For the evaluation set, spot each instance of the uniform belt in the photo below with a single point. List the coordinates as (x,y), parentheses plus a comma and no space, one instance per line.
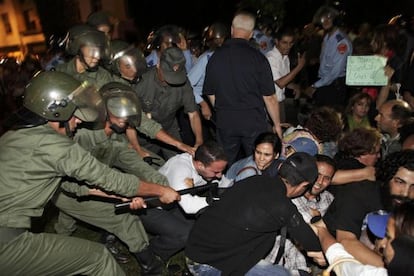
(9,233)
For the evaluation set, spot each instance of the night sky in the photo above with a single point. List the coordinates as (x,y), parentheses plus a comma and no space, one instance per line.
(195,15)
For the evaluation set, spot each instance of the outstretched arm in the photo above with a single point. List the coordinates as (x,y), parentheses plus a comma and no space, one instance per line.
(272,106)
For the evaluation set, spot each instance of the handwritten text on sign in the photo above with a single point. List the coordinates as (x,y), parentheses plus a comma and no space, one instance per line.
(366,70)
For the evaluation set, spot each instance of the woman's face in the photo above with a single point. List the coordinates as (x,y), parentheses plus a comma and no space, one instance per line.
(264,154)
(360,108)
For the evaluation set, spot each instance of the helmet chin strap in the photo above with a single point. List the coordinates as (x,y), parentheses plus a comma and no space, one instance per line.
(117,129)
(133,81)
(65,125)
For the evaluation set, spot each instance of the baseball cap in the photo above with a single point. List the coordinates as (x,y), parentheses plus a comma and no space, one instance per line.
(377,224)
(304,144)
(172,62)
(304,164)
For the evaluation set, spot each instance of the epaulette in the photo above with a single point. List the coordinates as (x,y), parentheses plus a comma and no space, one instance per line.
(259,35)
(339,37)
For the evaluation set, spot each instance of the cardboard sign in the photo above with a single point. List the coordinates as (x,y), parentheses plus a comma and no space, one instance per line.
(366,71)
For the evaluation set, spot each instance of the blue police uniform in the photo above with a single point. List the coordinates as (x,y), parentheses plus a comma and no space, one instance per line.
(331,89)
(197,74)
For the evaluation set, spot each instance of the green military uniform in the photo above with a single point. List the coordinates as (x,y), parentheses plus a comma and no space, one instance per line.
(161,102)
(113,152)
(98,78)
(33,162)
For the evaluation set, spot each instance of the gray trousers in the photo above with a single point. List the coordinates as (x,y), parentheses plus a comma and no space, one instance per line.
(50,254)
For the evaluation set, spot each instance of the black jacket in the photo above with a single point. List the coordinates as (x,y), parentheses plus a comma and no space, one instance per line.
(236,232)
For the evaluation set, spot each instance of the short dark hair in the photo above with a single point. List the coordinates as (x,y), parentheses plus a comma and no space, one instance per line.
(401,111)
(209,152)
(271,138)
(326,159)
(284,31)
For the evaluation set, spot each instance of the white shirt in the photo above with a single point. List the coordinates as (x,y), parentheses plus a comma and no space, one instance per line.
(181,174)
(280,66)
(337,251)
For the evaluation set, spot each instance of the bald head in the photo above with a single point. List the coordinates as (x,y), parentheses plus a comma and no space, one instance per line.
(243,25)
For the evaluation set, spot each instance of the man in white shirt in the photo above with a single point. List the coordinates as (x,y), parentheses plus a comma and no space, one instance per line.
(184,171)
(279,61)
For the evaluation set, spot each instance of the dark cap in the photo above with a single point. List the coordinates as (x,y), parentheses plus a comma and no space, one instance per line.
(304,164)
(172,63)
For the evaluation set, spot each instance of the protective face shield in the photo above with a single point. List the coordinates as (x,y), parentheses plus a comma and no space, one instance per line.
(121,102)
(87,42)
(215,34)
(127,61)
(166,36)
(325,13)
(56,96)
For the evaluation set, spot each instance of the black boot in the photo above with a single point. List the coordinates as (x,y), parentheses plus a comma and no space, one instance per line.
(110,242)
(151,265)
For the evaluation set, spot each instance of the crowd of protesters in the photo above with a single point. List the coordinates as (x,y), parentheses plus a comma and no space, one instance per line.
(295,193)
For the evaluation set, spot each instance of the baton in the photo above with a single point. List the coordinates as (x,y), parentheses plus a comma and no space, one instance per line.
(153,199)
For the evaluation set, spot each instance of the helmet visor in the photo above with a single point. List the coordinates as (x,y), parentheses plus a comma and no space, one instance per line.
(88,102)
(125,105)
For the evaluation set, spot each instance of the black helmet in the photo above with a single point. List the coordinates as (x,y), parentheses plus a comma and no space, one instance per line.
(122,102)
(166,33)
(98,18)
(326,11)
(121,51)
(216,30)
(215,35)
(56,96)
(85,35)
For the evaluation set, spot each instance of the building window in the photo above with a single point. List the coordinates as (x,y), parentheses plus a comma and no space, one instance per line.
(6,23)
(29,19)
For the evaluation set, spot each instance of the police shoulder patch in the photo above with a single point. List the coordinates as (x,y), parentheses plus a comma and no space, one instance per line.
(342,48)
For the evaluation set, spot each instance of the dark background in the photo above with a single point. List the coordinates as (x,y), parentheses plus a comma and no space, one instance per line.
(194,15)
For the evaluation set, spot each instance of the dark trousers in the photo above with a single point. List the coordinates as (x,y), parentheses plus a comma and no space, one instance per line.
(169,228)
(237,143)
(334,95)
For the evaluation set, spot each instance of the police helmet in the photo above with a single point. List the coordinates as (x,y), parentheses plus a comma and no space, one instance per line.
(56,96)
(85,35)
(99,18)
(326,11)
(122,102)
(121,50)
(216,30)
(169,34)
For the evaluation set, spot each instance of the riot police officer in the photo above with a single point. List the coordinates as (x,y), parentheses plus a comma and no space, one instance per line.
(109,146)
(35,157)
(88,47)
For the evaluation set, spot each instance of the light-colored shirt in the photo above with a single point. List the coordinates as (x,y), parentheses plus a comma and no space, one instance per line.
(197,74)
(292,258)
(337,251)
(305,205)
(182,174)
(280,65)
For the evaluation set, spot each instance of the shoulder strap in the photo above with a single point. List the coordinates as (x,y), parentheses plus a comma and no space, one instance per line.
(283,233)
(248,168)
